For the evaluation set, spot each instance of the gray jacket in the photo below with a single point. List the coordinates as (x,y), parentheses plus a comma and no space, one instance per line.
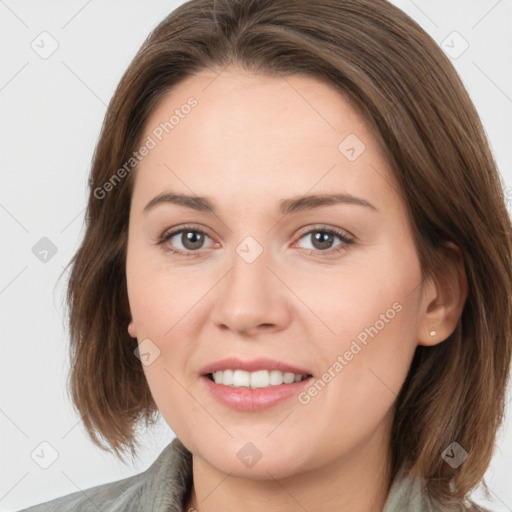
(165,487)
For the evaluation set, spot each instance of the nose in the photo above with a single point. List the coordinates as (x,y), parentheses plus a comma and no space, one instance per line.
(252,299)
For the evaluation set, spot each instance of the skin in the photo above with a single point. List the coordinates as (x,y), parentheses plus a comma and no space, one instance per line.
(251,141)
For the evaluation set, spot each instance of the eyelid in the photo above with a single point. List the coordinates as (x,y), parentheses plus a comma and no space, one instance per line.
(343,233)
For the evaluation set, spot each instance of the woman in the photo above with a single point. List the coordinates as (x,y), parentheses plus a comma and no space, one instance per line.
(364,371)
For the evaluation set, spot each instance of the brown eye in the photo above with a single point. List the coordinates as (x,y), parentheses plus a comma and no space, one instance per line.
(324,240)
(185,241)
(192,240)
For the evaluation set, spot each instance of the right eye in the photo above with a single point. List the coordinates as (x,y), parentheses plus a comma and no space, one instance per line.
(190,238)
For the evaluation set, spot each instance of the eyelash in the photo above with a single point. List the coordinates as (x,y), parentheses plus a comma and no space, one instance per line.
(346,241)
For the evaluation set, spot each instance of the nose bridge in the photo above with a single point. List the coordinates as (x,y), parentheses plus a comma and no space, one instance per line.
(250,265)
(251,295)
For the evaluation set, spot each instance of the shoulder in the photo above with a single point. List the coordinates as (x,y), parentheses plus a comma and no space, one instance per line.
(408,494)
(113,496)
(166,481)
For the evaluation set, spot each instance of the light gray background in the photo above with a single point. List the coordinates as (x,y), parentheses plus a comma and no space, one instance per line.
(51,110)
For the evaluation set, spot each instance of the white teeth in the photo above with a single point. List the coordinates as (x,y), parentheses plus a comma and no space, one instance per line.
(288,378)
(258,379)
(241,378)
(276,378)
(227,377)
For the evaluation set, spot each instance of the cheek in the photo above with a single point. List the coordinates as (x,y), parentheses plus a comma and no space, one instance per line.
(371,350)
(165,306)
(164,319)
(368,330)
(363,302)
(363,366)
(160,297)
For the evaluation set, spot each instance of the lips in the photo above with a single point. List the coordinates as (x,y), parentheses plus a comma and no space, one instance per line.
(253,365)
(250,399)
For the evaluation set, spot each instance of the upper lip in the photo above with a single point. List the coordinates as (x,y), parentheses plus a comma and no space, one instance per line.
(252,365)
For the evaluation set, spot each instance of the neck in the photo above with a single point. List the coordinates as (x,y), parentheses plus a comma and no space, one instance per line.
(355,482)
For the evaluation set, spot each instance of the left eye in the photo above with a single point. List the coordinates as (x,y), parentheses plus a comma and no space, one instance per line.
(323,239)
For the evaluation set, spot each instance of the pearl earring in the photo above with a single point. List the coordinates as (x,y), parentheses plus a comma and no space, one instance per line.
(432,333)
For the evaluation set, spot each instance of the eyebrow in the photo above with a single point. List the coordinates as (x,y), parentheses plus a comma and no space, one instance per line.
(286,206)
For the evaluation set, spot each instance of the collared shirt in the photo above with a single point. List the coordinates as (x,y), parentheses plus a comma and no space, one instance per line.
(165,487)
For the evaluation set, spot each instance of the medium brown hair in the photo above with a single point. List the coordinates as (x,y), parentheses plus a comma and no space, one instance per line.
(400,80)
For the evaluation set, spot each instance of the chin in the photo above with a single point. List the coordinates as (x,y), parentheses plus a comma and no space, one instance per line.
(258,460)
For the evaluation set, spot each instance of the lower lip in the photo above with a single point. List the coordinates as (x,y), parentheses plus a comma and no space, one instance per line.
(246,399)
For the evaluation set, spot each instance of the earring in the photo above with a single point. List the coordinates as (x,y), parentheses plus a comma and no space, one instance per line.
(432,333)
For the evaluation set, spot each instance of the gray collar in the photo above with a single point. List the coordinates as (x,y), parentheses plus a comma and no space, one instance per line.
(168,480)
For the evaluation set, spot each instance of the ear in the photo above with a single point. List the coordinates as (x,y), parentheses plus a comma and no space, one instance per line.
(131,329)
(444,298)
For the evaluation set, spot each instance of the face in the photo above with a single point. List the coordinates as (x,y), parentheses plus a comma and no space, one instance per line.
(259,273)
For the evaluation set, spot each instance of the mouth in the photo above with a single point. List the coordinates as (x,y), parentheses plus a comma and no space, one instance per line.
(258,373)
(253,385)
(260,379)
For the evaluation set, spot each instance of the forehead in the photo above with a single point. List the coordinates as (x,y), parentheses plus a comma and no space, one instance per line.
(237,134)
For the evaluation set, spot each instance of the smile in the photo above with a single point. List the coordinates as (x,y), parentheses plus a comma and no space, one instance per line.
(255,380)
